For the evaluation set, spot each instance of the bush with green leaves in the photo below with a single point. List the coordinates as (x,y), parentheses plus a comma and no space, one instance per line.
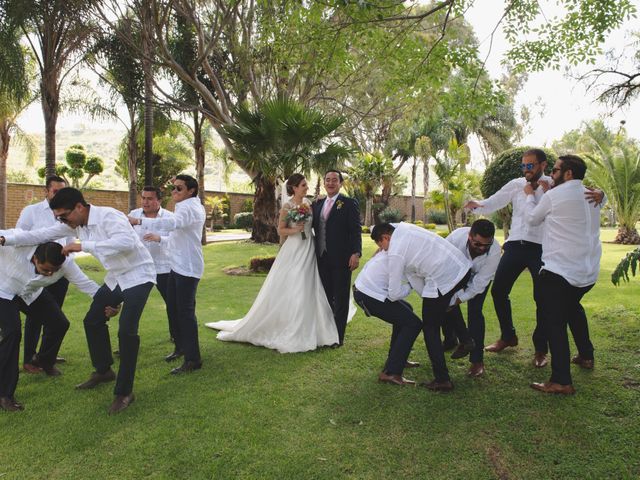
(390,215)
(243,220)
(247,205)
(261,264)
(439,217)
(79,164)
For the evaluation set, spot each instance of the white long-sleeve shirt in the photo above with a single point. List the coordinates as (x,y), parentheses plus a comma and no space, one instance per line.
(158,250)
(571,242)
(39,215)
(483,267)
(18,275)
(513,193)
(109,237)
(373,279)
(184,243)
(432,265)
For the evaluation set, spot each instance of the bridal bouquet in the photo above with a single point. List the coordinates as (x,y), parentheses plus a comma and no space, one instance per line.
(299,213)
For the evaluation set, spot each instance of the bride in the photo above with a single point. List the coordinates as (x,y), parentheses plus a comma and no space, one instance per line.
(291,312)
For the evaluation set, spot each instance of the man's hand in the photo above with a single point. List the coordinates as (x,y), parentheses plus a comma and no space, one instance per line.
(151,237)
(471,204)
(110,311)
(71,248)
(544,185)
(2,241)
(528,189)
(354,261)
(594,196)
(134,221)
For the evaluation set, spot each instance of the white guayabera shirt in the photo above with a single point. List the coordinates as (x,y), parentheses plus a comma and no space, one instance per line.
(571,243)
(158,250)
(184,244)
(373,279)
(109,237)
(39,215)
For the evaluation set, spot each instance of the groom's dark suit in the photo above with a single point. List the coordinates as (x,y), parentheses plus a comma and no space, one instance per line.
(337,238)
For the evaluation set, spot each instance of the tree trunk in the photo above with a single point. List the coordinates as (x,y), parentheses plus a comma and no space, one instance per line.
(414,171)
(425,183)
(505,214)
(368,211)
(265,214)
(148,97)
(4,153)
(198,147)
(627,236)
(50,106)
(132,150)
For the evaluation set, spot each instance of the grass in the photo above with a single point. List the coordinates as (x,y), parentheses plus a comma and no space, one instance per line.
(254,413)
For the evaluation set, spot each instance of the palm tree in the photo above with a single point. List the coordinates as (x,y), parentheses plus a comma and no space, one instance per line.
(368,173)
(446,169)
(279,137)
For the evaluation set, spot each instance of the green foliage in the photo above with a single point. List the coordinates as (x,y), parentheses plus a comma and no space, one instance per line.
(390,215)
(76,158)
(629,262)
(243,220)
(366,229)
(438,217)
(217,208)
(247,205)
(79,165)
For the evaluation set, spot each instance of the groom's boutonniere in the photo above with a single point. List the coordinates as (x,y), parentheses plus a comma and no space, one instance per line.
(339,204)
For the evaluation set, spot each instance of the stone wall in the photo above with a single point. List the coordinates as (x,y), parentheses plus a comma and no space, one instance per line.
(21,195)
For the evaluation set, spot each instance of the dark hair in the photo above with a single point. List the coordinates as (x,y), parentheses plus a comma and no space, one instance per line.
(50,252)
(575,164)
(483,227)
(536,152)
(190,182)
(67,198)
(293,181)
(54,178)
(149,188)
(334,171)
(381,229)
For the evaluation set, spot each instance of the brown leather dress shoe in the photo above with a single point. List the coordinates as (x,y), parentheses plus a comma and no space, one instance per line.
(121,402)
(463,349)
(10,405)
(31,368)
(52,371)
(502,344)
(476,369)
(583,362)
(540,360)
(551,387)
(96,379)
(411,364)
(187,367)
(436,386)
(394,379)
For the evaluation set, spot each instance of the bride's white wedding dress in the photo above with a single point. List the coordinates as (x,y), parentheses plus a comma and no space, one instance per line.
(291,312)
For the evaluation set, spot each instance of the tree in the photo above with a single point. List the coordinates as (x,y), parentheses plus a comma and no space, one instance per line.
(79,164)
(57,31)
(503,169)
(367,173)
(446,168)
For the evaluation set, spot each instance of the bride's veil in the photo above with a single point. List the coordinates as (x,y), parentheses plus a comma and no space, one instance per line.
(284,196)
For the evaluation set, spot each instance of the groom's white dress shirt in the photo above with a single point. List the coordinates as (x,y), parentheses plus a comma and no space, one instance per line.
(158,250)
(183,245)
(513,192)
(432,265)
(109,237)
(18,275)
(373,279)
(571,242)
(483,267)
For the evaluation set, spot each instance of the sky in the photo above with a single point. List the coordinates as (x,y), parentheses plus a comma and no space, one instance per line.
(557,103)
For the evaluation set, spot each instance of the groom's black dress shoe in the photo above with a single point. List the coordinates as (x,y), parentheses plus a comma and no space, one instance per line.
(436,386)
(173,356)
(187,367)
(120,402)
(96,379)
(10,405)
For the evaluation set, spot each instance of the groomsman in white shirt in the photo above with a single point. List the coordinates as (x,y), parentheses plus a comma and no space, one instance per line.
(371,291)
(25,274)
(39,215)
(156,242)
(571,253)
(478,245)
(436,270)
(106,234)
(187,266)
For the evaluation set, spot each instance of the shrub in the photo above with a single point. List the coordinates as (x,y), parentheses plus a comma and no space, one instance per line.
(390,215)
(429,226)
(366,229)
(247,205)
(438,217)
(419,223)
(261,264)
(443,234)
(243,220)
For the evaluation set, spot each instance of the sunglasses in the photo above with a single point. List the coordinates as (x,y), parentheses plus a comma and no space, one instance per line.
(527,166)
(475,244)
(177,188)
(556,169)
(63,218)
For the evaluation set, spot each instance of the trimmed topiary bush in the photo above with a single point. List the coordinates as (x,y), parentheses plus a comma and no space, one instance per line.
(243,220)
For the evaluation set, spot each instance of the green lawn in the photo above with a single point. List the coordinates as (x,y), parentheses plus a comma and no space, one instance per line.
(254,413)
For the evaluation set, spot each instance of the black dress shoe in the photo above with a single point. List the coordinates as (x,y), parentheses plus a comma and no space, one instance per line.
(173,356)
(464,349)
(187,367)
(10,405)
(52,370)
(96,379)
(436,386)
(120,402)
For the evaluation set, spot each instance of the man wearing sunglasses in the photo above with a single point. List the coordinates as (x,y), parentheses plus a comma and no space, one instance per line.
(522,250)
(479,246)
(105,233)
(571,253)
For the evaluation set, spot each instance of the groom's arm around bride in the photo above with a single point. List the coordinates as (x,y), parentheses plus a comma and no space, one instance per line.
(336,222)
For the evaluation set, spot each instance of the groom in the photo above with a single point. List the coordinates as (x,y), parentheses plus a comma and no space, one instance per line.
(336,222)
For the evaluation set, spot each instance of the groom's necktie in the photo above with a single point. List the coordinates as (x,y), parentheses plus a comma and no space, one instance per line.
(328,203)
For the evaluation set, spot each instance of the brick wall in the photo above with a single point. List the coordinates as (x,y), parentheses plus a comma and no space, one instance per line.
(21,195)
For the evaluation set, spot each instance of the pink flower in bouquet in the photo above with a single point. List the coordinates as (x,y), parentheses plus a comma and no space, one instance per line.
(298,214)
